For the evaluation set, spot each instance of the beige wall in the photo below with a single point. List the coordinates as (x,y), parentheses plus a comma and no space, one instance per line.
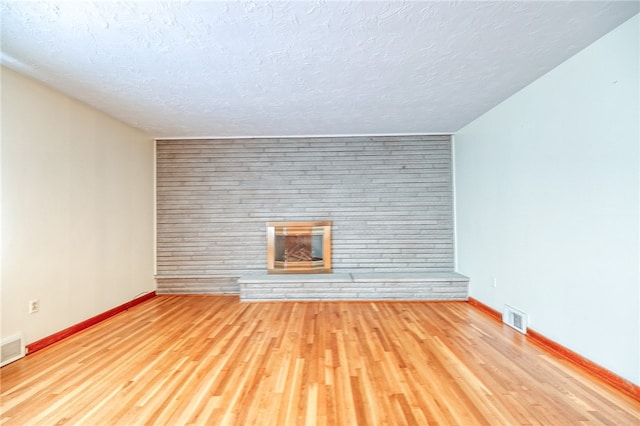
(77,210)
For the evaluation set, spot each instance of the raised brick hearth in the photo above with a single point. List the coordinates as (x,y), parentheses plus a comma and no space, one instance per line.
(355,286)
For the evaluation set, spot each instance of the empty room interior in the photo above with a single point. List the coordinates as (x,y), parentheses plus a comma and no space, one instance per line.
(337,213)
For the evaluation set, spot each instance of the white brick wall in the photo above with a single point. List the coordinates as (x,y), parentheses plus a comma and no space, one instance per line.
(390,200)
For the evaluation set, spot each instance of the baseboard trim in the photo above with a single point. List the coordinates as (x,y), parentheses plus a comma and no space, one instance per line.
(485,308)
(619,383)
(56,337)
(613,379)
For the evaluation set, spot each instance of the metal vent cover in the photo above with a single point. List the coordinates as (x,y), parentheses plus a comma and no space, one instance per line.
(515,318)
(12,349)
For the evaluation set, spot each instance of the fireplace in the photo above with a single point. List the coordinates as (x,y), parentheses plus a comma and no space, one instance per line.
(298,247)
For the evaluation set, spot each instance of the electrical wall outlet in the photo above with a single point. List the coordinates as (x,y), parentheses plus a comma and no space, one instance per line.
(34,306)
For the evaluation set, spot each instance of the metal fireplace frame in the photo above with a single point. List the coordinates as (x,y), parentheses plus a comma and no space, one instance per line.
(279,229)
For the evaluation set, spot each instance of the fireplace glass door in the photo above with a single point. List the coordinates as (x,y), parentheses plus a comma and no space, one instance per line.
(298,247)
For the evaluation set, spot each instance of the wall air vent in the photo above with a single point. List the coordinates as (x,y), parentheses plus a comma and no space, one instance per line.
(515,318)
(12,349)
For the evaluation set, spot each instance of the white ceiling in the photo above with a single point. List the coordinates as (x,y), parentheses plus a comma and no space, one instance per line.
(270,68)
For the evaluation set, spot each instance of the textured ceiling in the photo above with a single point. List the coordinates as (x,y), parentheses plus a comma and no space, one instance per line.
(205,69)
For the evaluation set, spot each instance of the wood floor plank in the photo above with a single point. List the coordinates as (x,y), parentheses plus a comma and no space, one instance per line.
(203,360)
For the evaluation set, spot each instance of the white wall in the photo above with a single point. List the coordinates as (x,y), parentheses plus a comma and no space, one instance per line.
(547,203)
(77,210)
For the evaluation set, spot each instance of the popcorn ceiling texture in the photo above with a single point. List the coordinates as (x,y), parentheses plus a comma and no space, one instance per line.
(196,69)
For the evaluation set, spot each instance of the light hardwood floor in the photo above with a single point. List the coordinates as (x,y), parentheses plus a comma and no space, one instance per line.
(212,360)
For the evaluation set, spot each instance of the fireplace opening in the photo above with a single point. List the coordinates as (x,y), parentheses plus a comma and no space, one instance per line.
(298,247)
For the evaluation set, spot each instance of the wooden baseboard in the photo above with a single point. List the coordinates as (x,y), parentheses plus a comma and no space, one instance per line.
(484,308)
(49,340)
(613,379)
(621,384)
